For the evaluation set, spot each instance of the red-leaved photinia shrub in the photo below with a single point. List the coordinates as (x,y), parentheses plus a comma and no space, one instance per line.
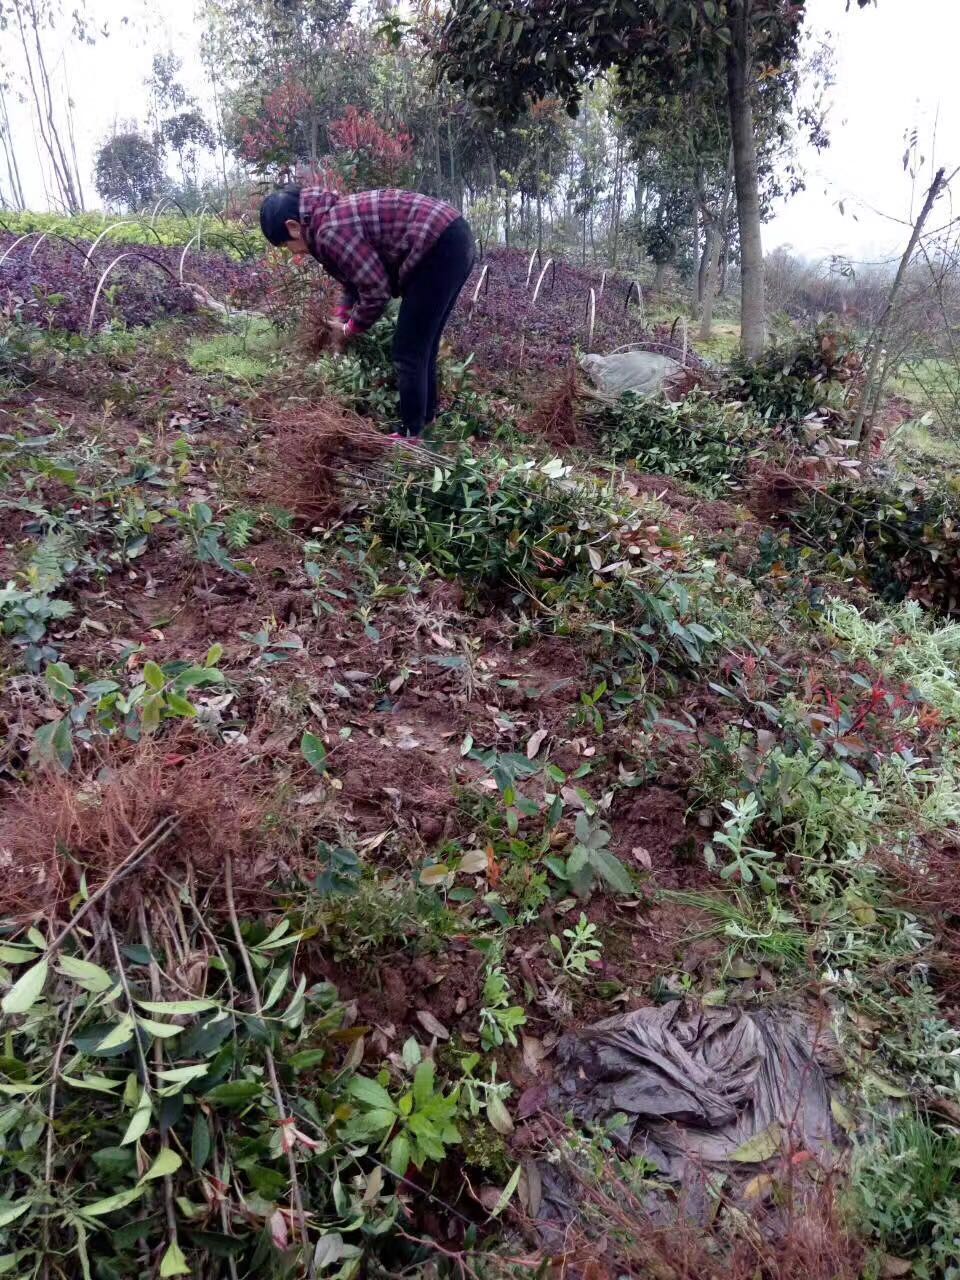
(273,136)
(368,155)
(324,174)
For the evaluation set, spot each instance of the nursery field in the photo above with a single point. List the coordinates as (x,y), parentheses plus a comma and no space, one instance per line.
(344,787)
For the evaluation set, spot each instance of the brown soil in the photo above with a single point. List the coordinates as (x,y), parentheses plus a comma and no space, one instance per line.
(391,992)
(404,768)
(650,832)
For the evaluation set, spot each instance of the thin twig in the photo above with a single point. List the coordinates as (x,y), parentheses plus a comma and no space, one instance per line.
(295,1194)
(157,995)
(224,1215)
(51,1112)
(128,995)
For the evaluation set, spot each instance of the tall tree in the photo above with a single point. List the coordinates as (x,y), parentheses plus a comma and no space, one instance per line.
(129,170)
(525,49)
(268,42)
(176,119)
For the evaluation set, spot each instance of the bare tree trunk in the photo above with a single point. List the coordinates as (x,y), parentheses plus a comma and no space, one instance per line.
(437,159)
(617,204)
(536,160)
(314,138)
(13,169)
(43,104)
(73,141)
(716,238)
(709,236)
(220,138)
(883,324)
(753,328)
(456,191)
(658,274)
(695,259)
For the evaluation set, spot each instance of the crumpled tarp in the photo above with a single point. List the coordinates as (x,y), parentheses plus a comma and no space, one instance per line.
(697,1085)
(643,372)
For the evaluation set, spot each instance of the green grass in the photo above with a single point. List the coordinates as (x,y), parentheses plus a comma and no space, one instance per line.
(245,353)
(724,344)
(906,1183)
(928,384)
(918,445)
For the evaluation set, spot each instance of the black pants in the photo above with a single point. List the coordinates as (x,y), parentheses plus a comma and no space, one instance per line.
(427,299)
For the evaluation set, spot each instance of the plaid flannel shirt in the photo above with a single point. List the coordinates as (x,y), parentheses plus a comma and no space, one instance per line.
(370,243)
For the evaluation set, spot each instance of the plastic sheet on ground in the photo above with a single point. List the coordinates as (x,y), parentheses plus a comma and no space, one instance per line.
(702,1086)
(643,372)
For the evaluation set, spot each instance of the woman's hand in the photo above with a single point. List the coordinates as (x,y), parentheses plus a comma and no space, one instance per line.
(340,336)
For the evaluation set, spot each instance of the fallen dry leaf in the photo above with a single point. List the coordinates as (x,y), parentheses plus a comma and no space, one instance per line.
(355,1055)
(533,1053)
(474,862)
(432,1025)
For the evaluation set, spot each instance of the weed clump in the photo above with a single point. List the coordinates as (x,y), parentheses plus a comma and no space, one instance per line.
(903,541)
(791,381)
(906,1189)
(496,521)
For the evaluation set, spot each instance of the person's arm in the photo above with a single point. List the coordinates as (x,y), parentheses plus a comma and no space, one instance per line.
(358,264)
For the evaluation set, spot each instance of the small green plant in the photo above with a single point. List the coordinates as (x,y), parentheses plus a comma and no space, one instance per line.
(104,707)
(239,529)
(906,1189)
(815,804)
(369,914)
(412,1128)
(581,950)
(25,619)
(479,1097)
(745,861)
(499,1020)
(341,870)
(204,534)
(588,713)
(590,860)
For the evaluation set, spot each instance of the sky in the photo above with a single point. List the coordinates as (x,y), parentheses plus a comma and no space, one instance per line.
(895,68)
